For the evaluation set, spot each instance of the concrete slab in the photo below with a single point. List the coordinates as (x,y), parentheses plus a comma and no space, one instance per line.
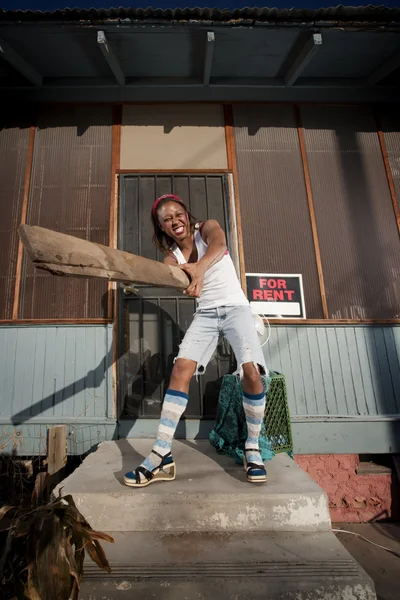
(210,493)
(234,566)
(381,566)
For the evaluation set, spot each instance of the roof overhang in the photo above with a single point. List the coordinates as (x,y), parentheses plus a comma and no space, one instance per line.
(199,55)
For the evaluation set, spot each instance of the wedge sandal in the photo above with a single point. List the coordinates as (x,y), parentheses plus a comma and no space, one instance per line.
(165,471)
(255,473)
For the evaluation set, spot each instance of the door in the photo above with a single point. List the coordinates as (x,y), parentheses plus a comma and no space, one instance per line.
(153,321)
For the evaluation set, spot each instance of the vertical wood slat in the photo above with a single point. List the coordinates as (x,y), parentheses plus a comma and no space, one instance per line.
(114,208)
(115,165)
(56,449)
(310,201)
(232,165)
(28,172)
(388,170)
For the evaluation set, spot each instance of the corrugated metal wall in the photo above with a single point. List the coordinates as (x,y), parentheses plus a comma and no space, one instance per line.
(347,370)
(70,192)
(390,123)
(357,230)
(276,225)
(14,143)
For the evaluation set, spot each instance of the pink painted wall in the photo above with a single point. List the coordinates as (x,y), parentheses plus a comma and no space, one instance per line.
(352,498)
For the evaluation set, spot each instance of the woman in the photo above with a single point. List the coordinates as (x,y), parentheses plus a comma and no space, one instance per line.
(200,250)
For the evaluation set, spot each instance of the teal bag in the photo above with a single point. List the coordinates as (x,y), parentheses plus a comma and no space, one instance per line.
(229,433)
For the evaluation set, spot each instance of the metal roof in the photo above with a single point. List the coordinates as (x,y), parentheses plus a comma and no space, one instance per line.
(345,14)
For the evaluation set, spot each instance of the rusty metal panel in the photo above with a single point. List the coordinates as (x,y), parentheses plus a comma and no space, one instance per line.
(70,192)
(390,123)
(14,142)
(357,230)
(276,226)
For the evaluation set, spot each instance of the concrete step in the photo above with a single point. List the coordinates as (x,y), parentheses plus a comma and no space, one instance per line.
(210,493)
(227,566)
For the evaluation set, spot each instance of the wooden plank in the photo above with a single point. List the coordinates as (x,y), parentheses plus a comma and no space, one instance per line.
(20,64)
(306,371)
(296,370)
(208,57)
(313,220)
(355,368)
(336,368)
(56,448)
(172,171)
(366,374)
(384,370)
(302,58)
(110,57)
(388,170)
(62,254)
(115,164)
(394,363)
(27,183)
(232,166)
(344,358)
(326,368)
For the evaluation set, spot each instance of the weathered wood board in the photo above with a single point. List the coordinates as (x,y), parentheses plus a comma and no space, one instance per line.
(66,255)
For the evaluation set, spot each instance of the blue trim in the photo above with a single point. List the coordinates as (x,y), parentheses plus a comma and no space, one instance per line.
(177,393)
(254,396)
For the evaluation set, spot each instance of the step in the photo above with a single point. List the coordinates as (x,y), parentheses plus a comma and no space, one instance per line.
(210,493)
(227,566)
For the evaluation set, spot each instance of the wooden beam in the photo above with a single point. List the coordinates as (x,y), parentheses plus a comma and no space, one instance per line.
(20,64)
(303,58)
(56,449)
(24,211)
(208,57)
(62,254)
(115,165)
(232,165)
(389,174)
(110,57)
(313,220)
(385,69)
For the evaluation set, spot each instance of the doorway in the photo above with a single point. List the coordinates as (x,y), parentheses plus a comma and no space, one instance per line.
(153,321)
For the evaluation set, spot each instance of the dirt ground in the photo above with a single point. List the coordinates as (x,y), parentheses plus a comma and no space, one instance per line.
(383,567)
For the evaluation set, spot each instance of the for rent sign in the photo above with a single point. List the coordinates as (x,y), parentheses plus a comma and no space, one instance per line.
(276,295)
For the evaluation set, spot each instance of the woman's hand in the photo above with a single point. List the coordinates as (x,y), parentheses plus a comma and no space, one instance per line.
(196,273)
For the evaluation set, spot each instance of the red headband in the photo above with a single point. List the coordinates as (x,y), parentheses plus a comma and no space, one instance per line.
(165,197)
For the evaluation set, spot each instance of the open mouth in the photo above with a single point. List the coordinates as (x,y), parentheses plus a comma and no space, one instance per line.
(178,230)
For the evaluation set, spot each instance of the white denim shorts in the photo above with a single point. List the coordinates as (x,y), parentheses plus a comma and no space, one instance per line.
(236,324)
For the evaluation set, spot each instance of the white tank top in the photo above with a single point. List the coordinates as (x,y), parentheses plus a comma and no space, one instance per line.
(221,284)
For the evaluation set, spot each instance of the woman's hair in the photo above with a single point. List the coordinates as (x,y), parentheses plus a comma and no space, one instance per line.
(163,241)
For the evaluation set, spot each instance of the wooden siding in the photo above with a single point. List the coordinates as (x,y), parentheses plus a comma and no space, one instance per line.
(49,373)
(338,371)
(343,386)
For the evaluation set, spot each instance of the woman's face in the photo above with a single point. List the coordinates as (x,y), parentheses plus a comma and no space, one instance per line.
(174,220)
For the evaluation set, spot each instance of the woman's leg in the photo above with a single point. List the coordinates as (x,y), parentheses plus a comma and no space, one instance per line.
(242,335)
(196,348)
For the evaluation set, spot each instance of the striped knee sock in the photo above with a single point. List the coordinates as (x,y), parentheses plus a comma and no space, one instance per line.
(254,407)
(173,408)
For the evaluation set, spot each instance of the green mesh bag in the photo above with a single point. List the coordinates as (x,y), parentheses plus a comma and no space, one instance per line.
(229,433)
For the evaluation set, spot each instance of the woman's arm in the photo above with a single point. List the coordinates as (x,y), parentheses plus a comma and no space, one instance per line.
(215,239)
